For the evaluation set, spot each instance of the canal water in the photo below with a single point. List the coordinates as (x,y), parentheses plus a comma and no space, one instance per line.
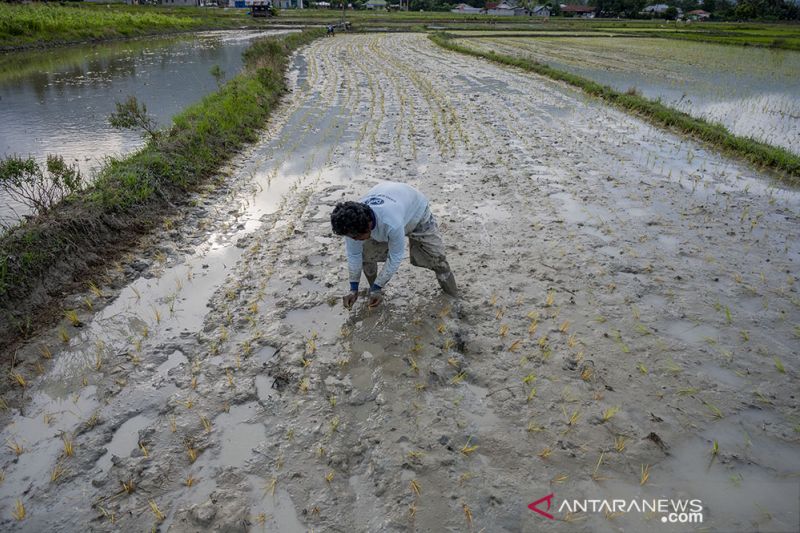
(58,101)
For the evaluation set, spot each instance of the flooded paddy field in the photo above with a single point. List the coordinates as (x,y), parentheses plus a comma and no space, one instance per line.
(751,91)
(627,328)
(57,101)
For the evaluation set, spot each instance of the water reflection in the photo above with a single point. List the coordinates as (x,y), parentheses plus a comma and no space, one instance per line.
(58,101)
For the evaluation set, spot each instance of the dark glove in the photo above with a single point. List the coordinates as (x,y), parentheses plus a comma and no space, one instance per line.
(349,299)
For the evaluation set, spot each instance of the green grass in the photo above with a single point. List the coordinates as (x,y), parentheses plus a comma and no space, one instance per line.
(133,194)
(40,24)
(758,153)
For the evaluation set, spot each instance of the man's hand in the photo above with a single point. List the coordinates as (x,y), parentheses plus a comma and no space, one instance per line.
(349,299)
(375,299)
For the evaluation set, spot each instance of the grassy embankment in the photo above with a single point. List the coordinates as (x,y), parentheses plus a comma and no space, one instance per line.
(784,162)
(44,24)
(133,194)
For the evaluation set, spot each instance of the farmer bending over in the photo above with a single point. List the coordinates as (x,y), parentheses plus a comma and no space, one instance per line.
(375,229)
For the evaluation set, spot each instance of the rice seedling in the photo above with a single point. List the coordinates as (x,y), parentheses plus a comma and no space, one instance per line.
(160,517)
(467,449)
(572,341)
(609,413)
(57,472)
(206,423)
(229,375)
(564,327)
(128,486)
(551,298)
(503,330)
(69,448)
(533,327)
(63,335)
(110,516)
(531,395)
(416,488)
(191,453)
(714,409)
(334,423)
(761,397)
(779,365)
(145,332)
(458,378)
(45,352)
(271,487)
(499,314)
(587,373)
(673,367)
(467,514)
(329,477)
(571,419)
(715,448)
(18,379)
(72,317)
(420,387)
(595,472)
(515,345)
(290,434)
(561,478)
(15,447)
(645,474)
(745,335)
(136,293)
(95,289)
(449,343)
(544,454)
(304,385)
(19,511)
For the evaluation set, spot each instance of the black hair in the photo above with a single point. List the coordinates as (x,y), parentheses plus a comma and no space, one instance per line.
(351,218)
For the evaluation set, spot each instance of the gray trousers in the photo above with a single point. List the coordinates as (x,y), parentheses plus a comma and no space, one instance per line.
(426,250)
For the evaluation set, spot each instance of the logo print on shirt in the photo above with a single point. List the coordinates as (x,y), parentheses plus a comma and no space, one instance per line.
(374,201)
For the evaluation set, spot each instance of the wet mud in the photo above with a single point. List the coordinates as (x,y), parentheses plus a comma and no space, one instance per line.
(629,307)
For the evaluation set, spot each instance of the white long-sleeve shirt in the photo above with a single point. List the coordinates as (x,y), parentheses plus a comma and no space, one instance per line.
(398,209)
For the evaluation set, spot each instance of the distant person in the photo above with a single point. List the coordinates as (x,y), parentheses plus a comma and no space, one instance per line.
(375,229)
(331,30)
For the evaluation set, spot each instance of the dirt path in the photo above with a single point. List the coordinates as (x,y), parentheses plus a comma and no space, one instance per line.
(628,301)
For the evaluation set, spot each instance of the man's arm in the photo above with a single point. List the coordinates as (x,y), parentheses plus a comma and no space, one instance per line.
(355,261)
(397,248)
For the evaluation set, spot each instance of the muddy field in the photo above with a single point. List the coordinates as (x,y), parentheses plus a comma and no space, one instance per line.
(751,91)
(628,328)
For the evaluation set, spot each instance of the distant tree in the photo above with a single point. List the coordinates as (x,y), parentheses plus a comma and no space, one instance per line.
(671,13)
(765,9)
(623,8)
(709,5)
